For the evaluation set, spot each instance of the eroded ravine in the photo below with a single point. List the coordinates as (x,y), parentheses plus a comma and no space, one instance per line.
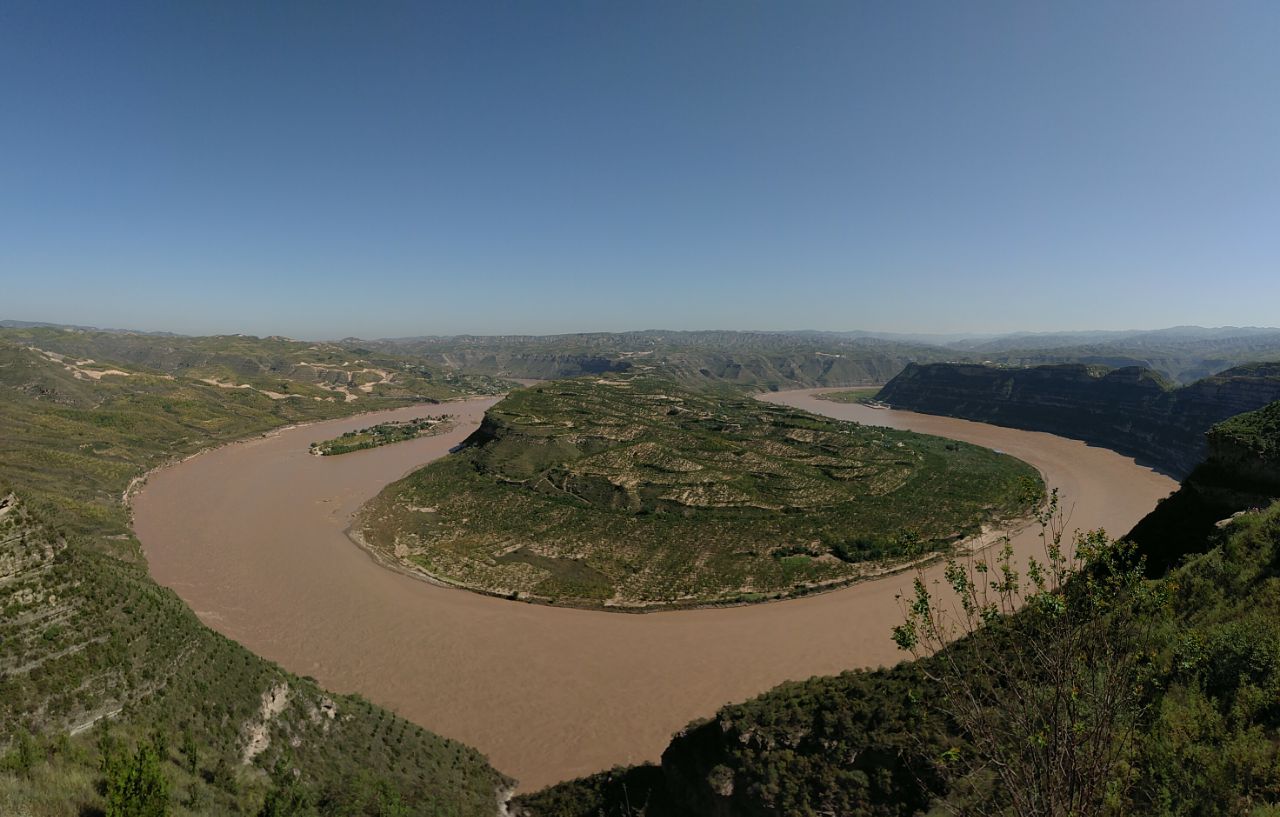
(251,535)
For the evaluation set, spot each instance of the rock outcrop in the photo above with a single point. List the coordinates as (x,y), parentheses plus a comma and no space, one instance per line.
(1241,472)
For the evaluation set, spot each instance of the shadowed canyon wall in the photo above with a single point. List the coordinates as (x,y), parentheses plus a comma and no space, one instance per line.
(1132,410)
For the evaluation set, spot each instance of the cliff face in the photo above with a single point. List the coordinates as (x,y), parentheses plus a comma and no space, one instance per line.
(1132,410)
(1247,447)
(1242,471)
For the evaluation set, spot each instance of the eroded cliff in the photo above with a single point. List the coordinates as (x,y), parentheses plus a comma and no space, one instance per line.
(1132,410)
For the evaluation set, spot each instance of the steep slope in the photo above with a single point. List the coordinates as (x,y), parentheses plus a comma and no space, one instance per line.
(89,641)
(1131,410)
(1241,472)
(95,658)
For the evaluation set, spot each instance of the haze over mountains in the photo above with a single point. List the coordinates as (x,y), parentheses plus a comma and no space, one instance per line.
(1182,353)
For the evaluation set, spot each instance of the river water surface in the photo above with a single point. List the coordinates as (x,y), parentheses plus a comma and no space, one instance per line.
(251,535)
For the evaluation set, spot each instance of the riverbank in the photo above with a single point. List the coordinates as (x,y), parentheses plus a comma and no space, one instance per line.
(252,537)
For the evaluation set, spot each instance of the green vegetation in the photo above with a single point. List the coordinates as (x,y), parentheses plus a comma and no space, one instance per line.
(136,787)
(862,395)
(114,699)
(1257,432)
(382,434)
(107,679)
(1196,731)
(1048,714)
(632,492)
(279,368)
(1205,739)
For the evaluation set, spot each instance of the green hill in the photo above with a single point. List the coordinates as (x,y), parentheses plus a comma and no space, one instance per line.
(276,367)
(633,491)
(96,659)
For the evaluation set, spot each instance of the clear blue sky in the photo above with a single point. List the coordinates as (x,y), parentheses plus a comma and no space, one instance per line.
(323,169)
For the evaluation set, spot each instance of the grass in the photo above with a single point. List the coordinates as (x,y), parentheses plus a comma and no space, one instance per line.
(1257,432)
(87,637)
(634,492)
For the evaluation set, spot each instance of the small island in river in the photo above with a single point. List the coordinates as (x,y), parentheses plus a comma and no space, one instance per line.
(383,434)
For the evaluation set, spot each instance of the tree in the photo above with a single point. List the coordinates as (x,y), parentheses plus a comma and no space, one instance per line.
(190,749)
(287,796)
(23,757)
(136,787)
(1045,683)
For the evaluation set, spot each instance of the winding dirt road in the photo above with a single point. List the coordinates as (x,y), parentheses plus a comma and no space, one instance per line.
(251,535)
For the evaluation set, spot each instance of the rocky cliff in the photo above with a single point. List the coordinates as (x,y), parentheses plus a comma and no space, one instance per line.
(1132,410)
(1241,472)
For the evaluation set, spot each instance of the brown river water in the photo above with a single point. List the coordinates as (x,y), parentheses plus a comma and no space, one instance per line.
(251,535)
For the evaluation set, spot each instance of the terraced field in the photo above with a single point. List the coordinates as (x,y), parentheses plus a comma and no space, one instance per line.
(633,493)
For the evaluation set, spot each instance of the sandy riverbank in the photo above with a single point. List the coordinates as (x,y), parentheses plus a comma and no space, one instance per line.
(251,536)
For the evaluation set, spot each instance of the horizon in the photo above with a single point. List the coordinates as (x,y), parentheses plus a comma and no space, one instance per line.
(943,337)
(329,171)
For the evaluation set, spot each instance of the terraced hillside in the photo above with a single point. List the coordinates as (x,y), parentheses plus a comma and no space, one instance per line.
(98,662)
(274,367)
(635,492)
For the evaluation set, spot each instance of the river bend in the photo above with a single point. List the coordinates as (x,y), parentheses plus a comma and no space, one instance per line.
(251,535)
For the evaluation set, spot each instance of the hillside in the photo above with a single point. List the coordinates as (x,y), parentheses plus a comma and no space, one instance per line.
(1131,410)
(1206,742)
(96,659)
(632,492)
(278,368)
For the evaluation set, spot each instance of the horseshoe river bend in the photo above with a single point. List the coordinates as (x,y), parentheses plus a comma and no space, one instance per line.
(252,536)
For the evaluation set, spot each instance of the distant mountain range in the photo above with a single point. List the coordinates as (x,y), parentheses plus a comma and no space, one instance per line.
(8,324)
(809,358)
(791,359)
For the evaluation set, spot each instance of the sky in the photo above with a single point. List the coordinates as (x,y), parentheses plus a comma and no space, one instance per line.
(320,169)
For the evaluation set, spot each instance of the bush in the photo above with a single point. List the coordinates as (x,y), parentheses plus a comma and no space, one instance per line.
(136,787)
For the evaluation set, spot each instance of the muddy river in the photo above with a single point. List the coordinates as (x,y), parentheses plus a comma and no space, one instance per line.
(251,535)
